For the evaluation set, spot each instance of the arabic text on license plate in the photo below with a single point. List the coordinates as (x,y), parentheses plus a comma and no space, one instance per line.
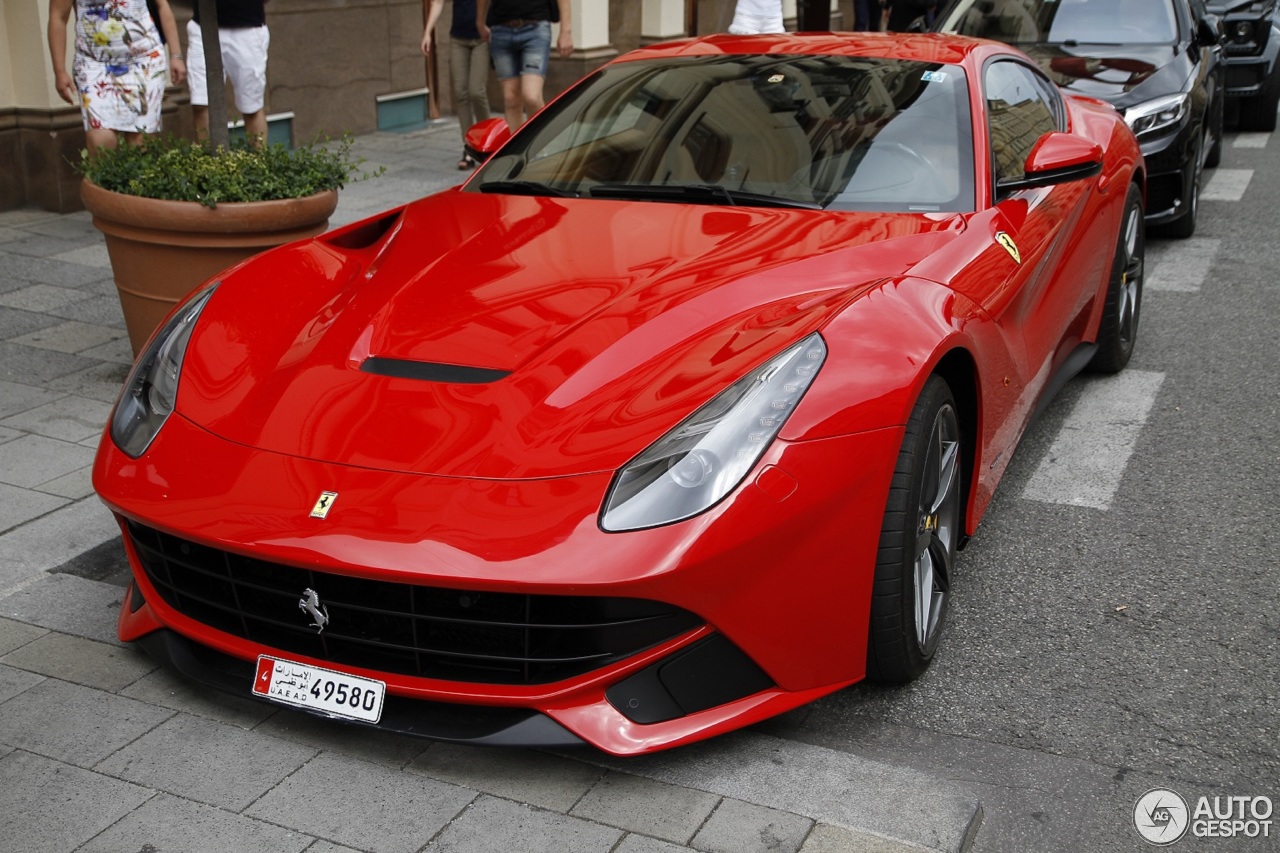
(334,693)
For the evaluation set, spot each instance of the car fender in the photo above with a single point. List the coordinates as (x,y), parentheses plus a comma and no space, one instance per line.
(882,350)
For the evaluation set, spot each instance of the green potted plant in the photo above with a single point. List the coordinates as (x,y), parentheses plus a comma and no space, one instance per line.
(175,212)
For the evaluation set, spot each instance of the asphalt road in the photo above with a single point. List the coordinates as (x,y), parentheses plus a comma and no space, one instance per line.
(1093,654)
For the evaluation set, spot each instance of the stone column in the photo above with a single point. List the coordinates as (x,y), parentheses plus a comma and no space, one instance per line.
(661,20)
(591,46)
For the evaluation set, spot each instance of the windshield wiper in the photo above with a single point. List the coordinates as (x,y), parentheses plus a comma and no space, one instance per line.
(525,188)
(698,194)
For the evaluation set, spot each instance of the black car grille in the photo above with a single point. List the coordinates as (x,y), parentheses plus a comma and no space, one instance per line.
(431,632)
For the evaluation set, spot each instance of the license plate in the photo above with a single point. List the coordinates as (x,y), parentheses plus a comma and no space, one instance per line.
(336,694)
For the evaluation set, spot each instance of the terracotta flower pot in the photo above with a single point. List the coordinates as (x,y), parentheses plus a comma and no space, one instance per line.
(162,250)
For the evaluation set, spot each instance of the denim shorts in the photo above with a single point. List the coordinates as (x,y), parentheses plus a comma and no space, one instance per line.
(523,50)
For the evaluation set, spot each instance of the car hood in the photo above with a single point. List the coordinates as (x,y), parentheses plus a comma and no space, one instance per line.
(1230,7)
(491,336)
(1123,75)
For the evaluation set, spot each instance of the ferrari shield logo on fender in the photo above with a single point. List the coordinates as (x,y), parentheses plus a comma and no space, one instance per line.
(1009,246)
(322,507)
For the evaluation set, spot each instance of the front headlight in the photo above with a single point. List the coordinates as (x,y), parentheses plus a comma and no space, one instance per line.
(709,453)
(1157,115)
(152,387)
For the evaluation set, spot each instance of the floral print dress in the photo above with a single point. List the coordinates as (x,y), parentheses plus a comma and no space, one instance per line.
(120,66)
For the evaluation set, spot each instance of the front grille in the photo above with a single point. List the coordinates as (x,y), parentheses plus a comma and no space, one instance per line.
(407,629)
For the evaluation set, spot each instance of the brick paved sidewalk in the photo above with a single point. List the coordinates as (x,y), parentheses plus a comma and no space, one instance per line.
(102,751)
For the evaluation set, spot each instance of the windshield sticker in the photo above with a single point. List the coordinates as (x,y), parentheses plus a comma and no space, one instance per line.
(934,77)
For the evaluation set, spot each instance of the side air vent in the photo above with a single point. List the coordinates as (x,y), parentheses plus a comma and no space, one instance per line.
(429,371)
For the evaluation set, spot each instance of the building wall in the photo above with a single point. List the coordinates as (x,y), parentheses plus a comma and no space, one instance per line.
(329,61)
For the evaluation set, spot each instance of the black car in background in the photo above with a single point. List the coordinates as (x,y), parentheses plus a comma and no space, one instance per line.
(1253,74)
(1159,62)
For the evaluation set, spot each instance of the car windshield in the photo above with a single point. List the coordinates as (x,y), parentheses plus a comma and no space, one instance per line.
(843,133)
(1064,21)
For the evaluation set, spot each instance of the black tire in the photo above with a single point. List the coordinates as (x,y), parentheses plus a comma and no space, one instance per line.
(918,540)
(1214,157)
(1185,225)
(1259,112)
(1119,328)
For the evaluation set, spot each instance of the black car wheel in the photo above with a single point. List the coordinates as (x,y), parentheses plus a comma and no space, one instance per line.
(1214,135)
(917,541)
(1119,329)
(1185,226)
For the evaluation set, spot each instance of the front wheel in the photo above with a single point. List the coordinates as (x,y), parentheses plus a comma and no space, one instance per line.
(1185,226)
(918,541)
(1214,135)
(1119,328)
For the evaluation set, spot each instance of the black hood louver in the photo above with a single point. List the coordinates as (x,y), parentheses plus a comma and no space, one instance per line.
(429,371)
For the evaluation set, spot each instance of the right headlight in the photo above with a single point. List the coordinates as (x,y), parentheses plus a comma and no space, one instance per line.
(1157,115)
(709,453)
(151,391)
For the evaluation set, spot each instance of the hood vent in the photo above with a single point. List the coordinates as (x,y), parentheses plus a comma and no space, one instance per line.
(428,371)
(362,235)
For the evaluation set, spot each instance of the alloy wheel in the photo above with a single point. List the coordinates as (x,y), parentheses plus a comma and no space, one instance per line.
(937,527)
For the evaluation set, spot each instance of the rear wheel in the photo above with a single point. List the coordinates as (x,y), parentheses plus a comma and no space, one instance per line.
(917,541)
(1119,328)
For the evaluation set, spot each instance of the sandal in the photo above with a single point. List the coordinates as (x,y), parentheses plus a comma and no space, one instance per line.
(467,163)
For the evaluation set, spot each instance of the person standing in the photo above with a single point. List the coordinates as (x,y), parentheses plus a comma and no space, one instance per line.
(519,37)
(242,31)
(119,67)
(468,66)
(903,12)
(862,16)
(751,17)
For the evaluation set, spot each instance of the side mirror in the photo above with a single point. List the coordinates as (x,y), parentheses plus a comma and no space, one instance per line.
(486,137)
(1209,31)
(1057,158)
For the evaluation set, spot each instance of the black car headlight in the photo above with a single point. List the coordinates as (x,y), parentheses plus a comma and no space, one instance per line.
(710,452)
(151,390)
(1160,114)
(1242,31)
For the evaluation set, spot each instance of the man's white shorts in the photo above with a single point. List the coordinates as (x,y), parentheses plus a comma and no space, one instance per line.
(244,63)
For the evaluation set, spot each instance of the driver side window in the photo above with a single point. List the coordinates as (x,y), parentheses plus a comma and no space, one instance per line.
(1019,112)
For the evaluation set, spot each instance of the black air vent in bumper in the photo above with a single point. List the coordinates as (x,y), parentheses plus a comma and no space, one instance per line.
(406,629)
(708,673)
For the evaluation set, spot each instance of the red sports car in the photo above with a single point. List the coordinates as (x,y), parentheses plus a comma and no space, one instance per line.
(672,418)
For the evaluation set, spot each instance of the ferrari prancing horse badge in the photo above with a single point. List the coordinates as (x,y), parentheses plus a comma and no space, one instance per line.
(324,504)
(1009,246)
